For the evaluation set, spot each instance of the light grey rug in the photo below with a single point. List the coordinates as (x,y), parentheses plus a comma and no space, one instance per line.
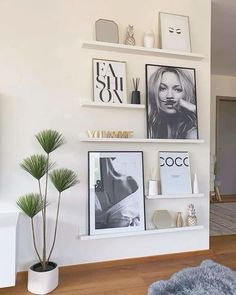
(209,278)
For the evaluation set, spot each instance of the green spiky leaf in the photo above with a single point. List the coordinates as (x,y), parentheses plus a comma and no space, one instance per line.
(31,204)
(36,165)
(49,140)
(63,179)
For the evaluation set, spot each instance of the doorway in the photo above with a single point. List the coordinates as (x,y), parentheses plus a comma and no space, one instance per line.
(226,146)
(223,213)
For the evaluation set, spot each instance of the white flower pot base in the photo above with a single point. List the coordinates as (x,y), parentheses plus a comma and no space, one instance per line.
(43,282)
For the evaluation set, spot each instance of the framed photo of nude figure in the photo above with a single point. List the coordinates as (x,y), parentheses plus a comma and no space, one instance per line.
(116,192)
(171,102)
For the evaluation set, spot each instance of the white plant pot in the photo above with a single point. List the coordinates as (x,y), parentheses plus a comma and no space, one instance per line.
(42,282)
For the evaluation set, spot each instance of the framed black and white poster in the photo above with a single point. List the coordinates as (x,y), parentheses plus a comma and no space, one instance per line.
(116,192)
(175,173)
(109,81)
(175,33)
(171,102)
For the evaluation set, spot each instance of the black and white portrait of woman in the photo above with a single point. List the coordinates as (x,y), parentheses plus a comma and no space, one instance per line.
(116,192)
(171,102)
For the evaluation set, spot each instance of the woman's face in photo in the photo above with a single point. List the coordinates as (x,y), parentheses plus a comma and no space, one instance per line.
(170,92)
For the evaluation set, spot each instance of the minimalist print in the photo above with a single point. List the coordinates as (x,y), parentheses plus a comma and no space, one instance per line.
(116,194)
(175,173)
(175,33)
(109,81)
(171,102)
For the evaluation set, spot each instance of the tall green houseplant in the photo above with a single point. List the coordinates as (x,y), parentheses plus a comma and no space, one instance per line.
(40,167)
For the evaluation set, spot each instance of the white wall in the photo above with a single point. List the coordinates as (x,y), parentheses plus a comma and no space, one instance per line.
(45,74)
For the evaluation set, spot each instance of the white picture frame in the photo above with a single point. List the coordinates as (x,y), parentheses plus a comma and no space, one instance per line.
(175,32)
(175,175)
(116,192)
(109,81)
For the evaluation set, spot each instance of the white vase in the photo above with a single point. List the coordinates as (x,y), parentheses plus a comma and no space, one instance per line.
(195,184)
(152,188)
(42,282)
(148,39)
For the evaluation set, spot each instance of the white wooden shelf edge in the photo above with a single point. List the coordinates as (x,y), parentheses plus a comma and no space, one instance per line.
(142,233)
(114,105)
(138,49)
(140,140)
(176,196)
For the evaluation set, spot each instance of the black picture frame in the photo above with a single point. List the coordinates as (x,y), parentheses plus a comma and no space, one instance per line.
(115,192)
(171,102)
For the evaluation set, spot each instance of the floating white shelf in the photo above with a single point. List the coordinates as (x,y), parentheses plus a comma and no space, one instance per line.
(114,105)
(139,50)
(142,233)
(176,196)
(141,140)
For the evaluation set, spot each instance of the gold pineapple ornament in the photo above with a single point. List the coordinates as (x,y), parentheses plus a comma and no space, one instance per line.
(191,218)
(130,36)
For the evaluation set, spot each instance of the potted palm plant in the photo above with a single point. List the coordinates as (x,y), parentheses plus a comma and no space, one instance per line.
(43,275)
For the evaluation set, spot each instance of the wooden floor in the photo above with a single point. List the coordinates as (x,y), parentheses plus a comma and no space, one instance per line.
(131,277)
(228,198)
(222,218)
(225,199)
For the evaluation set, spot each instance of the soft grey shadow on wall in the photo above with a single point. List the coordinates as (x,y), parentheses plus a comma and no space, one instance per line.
(62,252)
(24,243)
(223,37)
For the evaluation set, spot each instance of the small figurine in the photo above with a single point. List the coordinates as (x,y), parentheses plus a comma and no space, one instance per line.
(191,218)
(130,36)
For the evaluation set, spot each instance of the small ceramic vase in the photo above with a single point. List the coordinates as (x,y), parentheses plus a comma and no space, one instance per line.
(195,184)
(152,188)
(179,220)
(148,39)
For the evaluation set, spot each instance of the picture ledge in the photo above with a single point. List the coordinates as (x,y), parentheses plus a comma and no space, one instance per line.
(141,140)
(139,50)
(142,233)
(175,196)
(92,104)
